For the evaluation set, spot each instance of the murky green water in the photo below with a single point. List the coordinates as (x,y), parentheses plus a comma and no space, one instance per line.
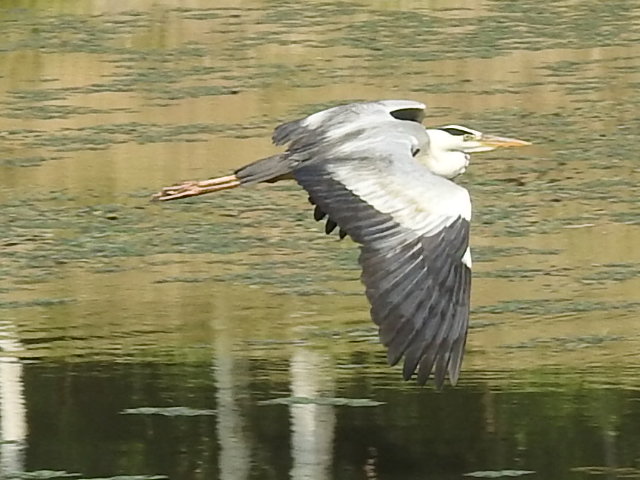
(228,337)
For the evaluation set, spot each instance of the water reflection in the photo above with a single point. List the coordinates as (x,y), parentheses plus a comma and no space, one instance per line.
(312,425)
(108,303)
(13,414)
(553,429)
(235,454)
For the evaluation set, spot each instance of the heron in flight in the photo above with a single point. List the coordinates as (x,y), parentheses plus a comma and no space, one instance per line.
(378,175)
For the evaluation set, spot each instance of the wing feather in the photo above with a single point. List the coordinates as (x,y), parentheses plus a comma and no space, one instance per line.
(413,228)
(340,120)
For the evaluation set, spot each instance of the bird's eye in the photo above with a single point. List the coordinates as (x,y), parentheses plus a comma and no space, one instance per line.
(467,137)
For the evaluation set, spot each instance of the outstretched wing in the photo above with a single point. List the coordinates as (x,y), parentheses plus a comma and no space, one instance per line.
(339,120)
(413,227)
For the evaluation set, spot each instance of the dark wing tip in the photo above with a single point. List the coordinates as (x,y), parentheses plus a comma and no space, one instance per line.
(330,226)
(411,114)
(419,294)
(318,214)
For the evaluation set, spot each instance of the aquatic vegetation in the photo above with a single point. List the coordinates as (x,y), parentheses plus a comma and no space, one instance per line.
(498,473)
(220,303)
(168,411)
(332,401)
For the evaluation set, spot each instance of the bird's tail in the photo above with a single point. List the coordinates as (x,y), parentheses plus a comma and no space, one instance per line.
(270,169)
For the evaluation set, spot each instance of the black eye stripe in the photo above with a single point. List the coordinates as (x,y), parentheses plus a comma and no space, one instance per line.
(455,131)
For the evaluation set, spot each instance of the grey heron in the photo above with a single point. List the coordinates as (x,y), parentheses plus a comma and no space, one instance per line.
(382,178)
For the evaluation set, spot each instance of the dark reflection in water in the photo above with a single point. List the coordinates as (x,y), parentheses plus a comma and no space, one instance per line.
(139,339)
(76,424)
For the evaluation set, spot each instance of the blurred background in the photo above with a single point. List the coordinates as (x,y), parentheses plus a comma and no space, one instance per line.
(228,337)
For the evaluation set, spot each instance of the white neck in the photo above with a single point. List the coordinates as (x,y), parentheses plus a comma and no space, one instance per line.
(445,156)
(445,163)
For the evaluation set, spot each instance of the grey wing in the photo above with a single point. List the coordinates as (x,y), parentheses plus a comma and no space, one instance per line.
(413,228)
(338,120)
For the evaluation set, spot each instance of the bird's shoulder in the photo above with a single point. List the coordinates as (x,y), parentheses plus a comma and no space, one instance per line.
(393,183)
(338,120)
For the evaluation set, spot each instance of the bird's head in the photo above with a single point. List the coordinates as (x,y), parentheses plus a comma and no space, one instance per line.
(465,139)
(450,148)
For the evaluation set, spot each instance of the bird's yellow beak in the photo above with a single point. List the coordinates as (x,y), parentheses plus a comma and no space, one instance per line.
(493,141)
